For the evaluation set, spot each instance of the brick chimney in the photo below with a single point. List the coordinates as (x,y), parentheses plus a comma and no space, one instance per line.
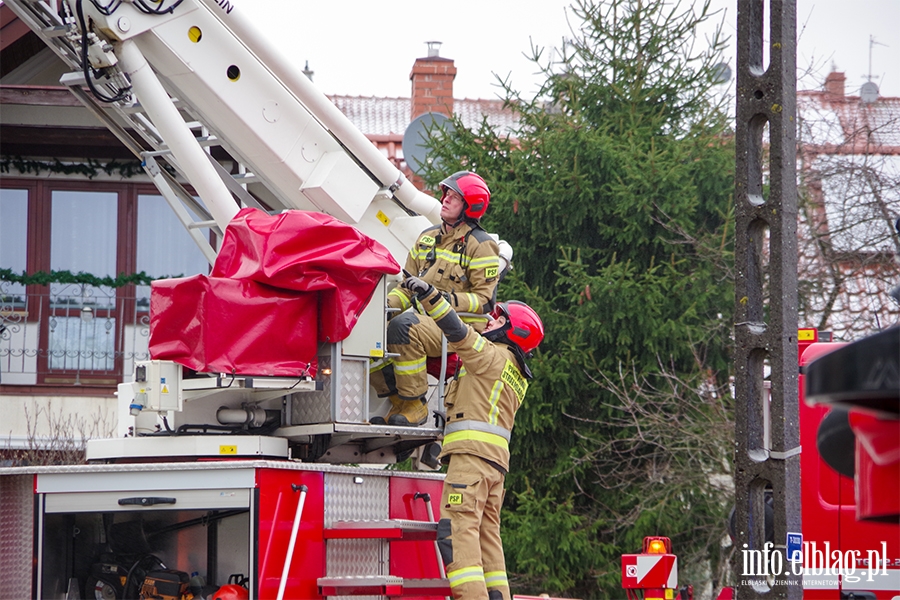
(432,83)
(834,84)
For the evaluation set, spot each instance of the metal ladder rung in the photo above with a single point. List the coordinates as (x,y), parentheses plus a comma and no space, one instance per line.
(201,224)
(382,585)
(389,529)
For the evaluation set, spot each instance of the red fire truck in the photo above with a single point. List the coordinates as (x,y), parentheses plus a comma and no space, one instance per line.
(226,479)
(849,547)
(850,467)
(850,500)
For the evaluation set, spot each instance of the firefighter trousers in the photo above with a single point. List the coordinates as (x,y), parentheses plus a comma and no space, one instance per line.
(413,337)
(469,529)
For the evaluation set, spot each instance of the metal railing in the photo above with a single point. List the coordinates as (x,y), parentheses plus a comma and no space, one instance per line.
(71,333)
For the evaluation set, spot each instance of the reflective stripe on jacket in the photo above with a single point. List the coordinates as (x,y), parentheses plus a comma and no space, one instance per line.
(482,401)
(462,261)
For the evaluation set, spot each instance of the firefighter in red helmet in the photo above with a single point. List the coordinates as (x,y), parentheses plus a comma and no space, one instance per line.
(459,259)
(481,405)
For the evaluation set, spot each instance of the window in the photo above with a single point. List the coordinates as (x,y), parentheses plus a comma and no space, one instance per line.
(82,332)
(82,324)
(13,254)
(163,246)
(13,242)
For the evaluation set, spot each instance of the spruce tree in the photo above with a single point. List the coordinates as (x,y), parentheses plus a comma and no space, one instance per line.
(615,192)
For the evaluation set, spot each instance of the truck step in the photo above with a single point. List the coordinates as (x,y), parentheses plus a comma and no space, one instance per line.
(383,585)
(390,529)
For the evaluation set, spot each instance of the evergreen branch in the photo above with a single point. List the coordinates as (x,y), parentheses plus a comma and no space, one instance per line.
(90,169)
(44,278)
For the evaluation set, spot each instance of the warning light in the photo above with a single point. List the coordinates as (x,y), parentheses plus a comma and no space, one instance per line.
(657,545)
(654,571)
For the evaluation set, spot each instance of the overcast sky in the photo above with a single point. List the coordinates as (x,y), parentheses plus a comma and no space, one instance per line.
(367,47)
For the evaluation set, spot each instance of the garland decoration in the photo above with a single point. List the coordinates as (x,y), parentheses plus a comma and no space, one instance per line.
(43,278)
(90,168)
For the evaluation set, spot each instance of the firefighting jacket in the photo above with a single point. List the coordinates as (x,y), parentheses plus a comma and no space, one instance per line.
(482,400)
(462,261)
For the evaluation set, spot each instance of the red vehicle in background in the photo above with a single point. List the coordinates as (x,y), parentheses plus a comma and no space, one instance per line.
(850,468)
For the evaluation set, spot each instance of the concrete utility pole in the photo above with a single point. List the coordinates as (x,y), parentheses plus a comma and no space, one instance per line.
(765,326)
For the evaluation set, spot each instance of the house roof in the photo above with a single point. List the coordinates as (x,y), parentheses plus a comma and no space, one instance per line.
(849,153)
(391,116)
(851,149)
(830,120)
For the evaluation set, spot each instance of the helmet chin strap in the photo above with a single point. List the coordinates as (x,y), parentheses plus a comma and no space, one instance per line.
(459,218)
(498,336)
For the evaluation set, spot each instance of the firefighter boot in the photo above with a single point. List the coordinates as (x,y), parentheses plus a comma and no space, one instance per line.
(412,413)
(396,406)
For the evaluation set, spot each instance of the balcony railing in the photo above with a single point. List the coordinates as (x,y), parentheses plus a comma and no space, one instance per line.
(65,334)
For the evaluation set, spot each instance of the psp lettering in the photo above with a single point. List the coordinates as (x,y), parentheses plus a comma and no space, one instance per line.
(814,561)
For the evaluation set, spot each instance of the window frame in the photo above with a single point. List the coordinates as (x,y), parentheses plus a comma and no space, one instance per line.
(38,251)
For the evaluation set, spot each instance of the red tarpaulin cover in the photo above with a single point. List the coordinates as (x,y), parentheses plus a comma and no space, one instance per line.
(217,325)
(309,252)
(280,284)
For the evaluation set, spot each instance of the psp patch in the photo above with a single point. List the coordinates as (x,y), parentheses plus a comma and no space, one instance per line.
(454,498)
(490,272)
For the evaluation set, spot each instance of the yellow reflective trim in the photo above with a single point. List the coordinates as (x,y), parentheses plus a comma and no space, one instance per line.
(461,372)
(478,346)
(495,578)
(409,367)
(440,312)
(486,261)
(374,368)
(468,319)
(465,571)
(451,257)
(404,300)
(462,580)
(515,380)
(465,575)
(495,398)
(476,436)
(473,302)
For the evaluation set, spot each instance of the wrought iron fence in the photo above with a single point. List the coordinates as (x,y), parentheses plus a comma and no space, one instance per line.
(71,333)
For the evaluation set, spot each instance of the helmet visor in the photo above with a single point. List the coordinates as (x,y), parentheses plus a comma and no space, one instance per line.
(500,311)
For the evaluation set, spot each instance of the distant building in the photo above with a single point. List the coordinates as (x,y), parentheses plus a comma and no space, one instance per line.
(74,199)
(849,168)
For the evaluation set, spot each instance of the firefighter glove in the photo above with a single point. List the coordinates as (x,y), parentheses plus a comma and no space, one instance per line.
(417,287)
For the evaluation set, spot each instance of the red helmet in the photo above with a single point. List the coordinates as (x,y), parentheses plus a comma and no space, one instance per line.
(473,189)
(525,327)
(231,591)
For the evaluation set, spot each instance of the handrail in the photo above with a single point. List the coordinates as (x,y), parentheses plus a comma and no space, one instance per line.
(294,529)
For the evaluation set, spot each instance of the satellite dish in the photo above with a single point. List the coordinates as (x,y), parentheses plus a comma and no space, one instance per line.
(422,129)
(721,73)
(868,93)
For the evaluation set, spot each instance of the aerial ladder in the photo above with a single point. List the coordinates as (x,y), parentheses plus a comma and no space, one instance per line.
(173,78)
